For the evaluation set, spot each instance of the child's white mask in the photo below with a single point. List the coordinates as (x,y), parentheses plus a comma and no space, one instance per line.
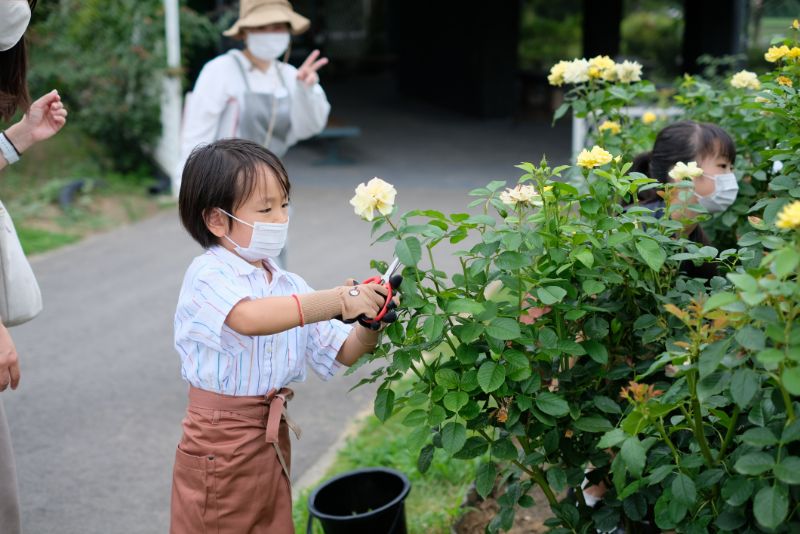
(267,241)
(726,188)
(15,15)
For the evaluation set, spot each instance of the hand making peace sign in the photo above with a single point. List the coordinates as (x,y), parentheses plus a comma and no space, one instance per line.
(307,73)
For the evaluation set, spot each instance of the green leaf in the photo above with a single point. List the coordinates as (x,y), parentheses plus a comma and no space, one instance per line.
(596,351)
(737,490)
(550,294)
(785,262)
(454,436)
(791,380)
(455,400)
(433,327)
(718,300)
(447,378)
(592,423)
(771,506)
(484,479)
(683,490)
(557,478)
(464,306)
(788,470)
(750,338)
(415,418)
(711,356)
(744,282)
(511,261)
(469,332)
(633,454)
(651,253)
(491,376)
(504,449)
(425,458)
(503,328)
(593,287)
(552,404)
(408,251)
(586,257)
(754,463)
(612,438)
(606,404)
(744,386)
(791,433)
(759,437)
(384,404)
(473,447)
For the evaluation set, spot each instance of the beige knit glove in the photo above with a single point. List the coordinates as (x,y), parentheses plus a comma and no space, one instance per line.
(343,302)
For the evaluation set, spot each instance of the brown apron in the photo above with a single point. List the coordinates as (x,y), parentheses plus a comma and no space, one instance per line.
(231,473)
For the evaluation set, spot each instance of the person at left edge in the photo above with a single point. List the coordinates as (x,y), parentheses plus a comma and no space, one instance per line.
(252,94)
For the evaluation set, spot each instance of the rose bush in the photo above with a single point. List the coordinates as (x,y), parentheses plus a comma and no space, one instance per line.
(569,345)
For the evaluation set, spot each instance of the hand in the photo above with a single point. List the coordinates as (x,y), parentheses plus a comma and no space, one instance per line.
(361,300)
(9,364)
(43,120)
(307,73)
(391,315)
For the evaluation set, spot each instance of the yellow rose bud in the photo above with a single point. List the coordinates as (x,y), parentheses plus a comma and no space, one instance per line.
(789,217)
(649,117)
(796,24)
(610,126)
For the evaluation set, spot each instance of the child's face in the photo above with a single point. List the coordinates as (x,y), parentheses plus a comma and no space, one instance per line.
(267,204)
(712,166)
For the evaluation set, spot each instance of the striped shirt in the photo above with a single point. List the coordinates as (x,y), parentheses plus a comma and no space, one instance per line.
(216,358)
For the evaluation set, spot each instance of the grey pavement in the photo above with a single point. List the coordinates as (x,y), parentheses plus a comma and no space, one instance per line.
(97,415)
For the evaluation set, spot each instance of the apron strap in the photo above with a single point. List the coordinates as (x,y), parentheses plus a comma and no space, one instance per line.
(277,404)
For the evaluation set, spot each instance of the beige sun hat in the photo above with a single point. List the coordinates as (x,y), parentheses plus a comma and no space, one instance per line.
(255,13)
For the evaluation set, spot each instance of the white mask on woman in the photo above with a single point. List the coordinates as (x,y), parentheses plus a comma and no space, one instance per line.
(15,15)
(267,241)
(726,188)
(267,45)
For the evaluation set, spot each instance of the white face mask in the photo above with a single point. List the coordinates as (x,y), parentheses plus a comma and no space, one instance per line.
(14,18)
(726,188)
(267,241)
(267,45)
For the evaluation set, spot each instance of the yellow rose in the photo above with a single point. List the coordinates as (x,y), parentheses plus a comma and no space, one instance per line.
(376,194)
(648,117)
(776,53)
(629,71)
(522,194)
(794,53)
(789,217)
(783,80)
(556,76)
(682,171)
(589,159)
(745,79)
(577,71)
(611,126)
(602,67)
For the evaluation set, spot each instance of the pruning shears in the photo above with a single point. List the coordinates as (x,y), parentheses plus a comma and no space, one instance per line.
(391,282)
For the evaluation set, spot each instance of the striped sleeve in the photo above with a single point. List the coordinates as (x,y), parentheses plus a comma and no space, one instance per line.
(214,294)
(324,341)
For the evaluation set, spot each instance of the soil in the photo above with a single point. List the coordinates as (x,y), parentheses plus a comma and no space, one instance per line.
(478,513)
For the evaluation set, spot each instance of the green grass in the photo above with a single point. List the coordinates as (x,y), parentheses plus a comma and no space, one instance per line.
(435,498)
(35,241)
(30,191)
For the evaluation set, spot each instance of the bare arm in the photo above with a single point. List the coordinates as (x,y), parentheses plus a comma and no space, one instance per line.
(360,341)
(43,120)
(9,363)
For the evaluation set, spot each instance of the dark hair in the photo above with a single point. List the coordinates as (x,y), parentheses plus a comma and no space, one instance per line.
(682,141)
(223,174)
(14,93)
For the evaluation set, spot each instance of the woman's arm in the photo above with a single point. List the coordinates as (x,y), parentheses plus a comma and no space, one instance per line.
(9,362)
(44,119)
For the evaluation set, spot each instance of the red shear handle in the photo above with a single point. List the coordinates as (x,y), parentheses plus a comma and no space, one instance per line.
(388,286)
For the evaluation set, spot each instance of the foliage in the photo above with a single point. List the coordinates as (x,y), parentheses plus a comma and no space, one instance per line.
(598,357)
(654,38)
(107,59)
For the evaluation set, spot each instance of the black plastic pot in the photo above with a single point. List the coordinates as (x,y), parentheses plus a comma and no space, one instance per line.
(364,501)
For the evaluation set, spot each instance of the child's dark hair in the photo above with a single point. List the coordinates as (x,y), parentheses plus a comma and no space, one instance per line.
(223,174)
(682,141)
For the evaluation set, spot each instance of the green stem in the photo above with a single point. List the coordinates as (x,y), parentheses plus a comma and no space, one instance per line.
(661,430)
(729,434)
(697,418)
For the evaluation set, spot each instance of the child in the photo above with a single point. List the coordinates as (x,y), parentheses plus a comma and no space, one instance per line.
(716,190)
(245,329)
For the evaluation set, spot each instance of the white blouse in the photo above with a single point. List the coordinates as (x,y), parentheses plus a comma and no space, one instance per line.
(216,358)
(210,111)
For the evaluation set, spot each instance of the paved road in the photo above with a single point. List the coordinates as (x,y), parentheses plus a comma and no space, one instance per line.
(98,412)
